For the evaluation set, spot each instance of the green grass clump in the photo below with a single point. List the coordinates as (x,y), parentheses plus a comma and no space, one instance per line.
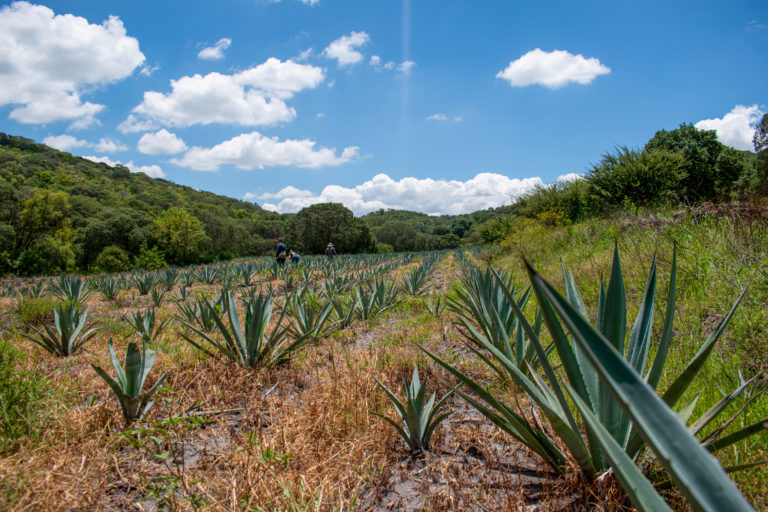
(23,400)
(35,311)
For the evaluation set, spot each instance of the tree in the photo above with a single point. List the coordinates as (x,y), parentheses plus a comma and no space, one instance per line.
(760,139)
(113,259)
(45,213)
(705,178)
(179,235)
(313,227)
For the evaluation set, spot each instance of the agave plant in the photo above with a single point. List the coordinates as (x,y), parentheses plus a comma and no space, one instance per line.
(35,290)
(130,380)
(435,305)
(247,344)
(345,311)
(145,325)
(207,274)
(246,272)
(486,314)
(145,282)
(71,288)
(70,332)
(200,312)
(157,295)
(309,321)
(699,476)
(366,302)
(108,288)
(168,279)
(584,383)
(413,282)
(418,416)
(181,294)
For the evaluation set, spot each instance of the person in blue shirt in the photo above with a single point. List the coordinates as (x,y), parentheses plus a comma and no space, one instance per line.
(294,256)
(282,252)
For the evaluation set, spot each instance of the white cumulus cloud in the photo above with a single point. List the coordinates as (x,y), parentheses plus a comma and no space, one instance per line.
(252,97)
(437,117)
(65,142)
(406,66)
(109,145)
(215,52)
(485,190)
(255,151)
(736,128)
(569,177)
(552,69)
(161,142)
(344,50)
(133,124)
(153,171)
(48,62)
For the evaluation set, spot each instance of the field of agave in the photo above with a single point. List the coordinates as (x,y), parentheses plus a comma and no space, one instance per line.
(250,386)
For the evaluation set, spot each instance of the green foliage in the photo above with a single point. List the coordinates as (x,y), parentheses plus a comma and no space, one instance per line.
(70,331)
(250,344)
(574,200)
(313,227)
(760,138)
(418,416)
(179,235)
(112,259)
(87,206)
(697,474)
(48,255)
(23,400)
(596,388)
(130,380)
(643,178)
(34,311)
(706,177)
(150,259)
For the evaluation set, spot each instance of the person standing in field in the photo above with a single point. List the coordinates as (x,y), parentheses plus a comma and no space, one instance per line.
(330,251)
(281,252)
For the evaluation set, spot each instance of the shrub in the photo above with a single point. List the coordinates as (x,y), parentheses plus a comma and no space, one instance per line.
(643,178)
(113,259)
(150,259)
(573,200)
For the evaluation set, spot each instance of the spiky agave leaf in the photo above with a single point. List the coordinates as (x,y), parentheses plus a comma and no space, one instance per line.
(418,418)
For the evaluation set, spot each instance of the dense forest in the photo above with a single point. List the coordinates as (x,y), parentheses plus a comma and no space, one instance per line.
(61,213)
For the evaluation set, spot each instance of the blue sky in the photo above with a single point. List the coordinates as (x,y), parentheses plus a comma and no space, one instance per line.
(436,106)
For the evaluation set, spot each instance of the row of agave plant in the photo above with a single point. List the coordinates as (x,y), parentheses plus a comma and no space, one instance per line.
(216,327)
(236,273)
(602,372)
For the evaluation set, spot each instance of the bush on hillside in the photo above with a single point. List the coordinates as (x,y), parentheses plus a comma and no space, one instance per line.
(113,259)
(572,200)
(645,178)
